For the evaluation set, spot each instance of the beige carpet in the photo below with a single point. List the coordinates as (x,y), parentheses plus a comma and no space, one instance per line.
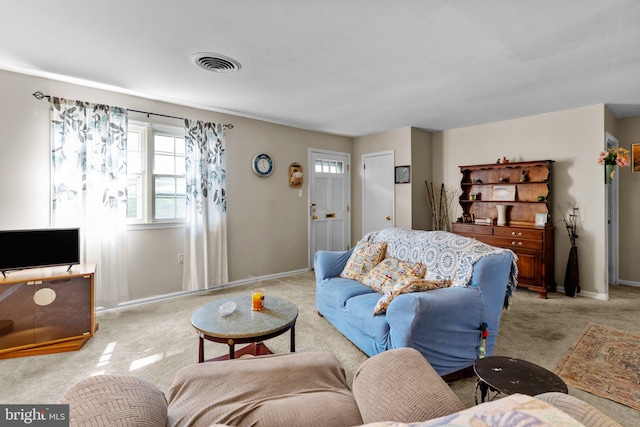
(604,361)
(154,340)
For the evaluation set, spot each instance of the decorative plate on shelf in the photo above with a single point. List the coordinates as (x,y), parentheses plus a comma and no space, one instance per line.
(262,164)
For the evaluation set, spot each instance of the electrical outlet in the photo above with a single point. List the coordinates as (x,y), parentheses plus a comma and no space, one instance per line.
(180,258)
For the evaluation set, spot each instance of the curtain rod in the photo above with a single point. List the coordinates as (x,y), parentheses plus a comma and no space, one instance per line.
(39,95)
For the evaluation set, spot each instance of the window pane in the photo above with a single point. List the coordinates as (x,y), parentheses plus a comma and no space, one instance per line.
(164,144)
(318,165)
(181,207)
(181,186)
(180,146)
(134,162)
(134,202)
(133,141)
(180,165)
(165,208)
(163,164)
(325,166)
(340,167)
(165,186)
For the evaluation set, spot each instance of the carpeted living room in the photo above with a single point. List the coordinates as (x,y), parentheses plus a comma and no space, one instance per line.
(161,159)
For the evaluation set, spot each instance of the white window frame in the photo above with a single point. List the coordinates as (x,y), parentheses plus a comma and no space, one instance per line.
(147,131)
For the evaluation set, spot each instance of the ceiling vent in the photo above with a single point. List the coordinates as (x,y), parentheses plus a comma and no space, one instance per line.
(215,62)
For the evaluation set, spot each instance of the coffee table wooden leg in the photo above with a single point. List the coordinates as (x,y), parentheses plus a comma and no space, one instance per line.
(200,350)
(293,338)
(232,348)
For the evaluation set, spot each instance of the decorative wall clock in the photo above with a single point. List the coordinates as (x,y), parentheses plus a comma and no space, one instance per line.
(262,164)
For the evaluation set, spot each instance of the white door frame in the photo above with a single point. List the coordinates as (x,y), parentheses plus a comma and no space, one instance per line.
(310,197)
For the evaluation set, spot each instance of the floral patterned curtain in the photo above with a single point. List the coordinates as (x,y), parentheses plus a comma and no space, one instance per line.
(205,256)
(89,188)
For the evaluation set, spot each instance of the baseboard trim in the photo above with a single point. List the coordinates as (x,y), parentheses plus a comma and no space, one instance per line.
(181,294)
(628,283)
(586,294)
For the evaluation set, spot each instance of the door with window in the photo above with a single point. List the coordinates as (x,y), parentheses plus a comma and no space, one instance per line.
(329,195)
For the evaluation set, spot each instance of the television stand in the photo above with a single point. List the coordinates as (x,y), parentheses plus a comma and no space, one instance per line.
(51,309)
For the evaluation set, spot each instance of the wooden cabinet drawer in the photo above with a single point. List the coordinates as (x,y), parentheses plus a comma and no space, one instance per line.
(511,243)
(518,233)
(468,229)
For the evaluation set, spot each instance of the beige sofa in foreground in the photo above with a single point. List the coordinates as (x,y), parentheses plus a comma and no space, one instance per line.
(310,389)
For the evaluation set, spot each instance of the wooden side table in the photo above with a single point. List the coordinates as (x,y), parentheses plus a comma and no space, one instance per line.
(508,376)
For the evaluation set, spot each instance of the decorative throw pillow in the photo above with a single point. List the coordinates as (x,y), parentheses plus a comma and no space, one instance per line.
(365,256)
(390,271)
(411,284)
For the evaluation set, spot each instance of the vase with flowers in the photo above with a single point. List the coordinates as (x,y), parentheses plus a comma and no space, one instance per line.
(610,159)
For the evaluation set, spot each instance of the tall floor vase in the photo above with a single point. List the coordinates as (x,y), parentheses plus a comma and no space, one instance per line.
(571,276)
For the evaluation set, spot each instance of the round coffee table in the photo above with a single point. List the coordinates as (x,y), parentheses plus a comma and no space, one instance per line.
(508,375)
(244,325)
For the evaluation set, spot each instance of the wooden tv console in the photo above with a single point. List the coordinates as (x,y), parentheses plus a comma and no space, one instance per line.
(46,310)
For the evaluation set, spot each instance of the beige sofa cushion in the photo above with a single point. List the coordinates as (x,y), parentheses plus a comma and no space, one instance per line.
(400,385)
(297,389)
(115,400)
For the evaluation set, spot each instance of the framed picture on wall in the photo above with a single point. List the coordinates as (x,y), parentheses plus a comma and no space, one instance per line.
(635,157)
(402,175)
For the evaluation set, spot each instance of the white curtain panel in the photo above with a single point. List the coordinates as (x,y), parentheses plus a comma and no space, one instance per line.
(205,246)
(89,181)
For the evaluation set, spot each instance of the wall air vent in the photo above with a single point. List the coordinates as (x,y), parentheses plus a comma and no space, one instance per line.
(215,62)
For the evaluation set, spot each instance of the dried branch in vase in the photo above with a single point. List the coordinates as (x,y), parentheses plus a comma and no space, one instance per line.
(440,204)
(571,223)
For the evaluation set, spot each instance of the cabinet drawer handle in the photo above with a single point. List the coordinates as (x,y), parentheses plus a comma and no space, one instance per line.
(519,234)
(516,244)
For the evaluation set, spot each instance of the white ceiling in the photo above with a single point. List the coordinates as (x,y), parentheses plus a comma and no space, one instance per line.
(350,67)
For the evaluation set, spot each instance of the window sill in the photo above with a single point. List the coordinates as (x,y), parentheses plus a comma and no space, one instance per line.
(154,226)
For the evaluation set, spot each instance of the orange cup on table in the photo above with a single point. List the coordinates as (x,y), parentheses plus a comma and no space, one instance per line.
(257,299)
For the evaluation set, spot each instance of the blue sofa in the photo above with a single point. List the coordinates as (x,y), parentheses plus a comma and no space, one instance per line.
(445,325)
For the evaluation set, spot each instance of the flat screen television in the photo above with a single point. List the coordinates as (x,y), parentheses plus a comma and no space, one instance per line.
(46,247)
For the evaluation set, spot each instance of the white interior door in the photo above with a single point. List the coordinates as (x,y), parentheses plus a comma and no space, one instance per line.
(329,196)
(378,197)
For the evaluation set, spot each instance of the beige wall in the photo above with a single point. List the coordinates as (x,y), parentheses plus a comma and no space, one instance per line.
(267,233)
(628,133)
(573,139)
(421,149)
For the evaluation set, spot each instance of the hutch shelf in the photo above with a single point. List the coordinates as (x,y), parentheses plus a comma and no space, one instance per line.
(522,190)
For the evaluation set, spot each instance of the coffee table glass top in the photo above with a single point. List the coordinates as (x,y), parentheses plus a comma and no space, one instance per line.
(278,313)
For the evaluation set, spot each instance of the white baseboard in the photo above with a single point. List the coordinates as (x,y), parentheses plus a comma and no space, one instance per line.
(587,294)
(199,291)
(629,283)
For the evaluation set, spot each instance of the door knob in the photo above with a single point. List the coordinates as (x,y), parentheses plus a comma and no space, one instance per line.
(314,217)
(388,218)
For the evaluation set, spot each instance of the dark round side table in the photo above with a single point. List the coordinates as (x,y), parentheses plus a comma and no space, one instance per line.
(507,375)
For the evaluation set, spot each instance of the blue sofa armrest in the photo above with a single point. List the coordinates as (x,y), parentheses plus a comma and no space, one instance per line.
(328,264)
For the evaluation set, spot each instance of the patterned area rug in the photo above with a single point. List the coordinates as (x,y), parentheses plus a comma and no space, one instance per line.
(606,362)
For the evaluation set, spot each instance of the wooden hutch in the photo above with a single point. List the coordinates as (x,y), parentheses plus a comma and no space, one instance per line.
(525,189)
